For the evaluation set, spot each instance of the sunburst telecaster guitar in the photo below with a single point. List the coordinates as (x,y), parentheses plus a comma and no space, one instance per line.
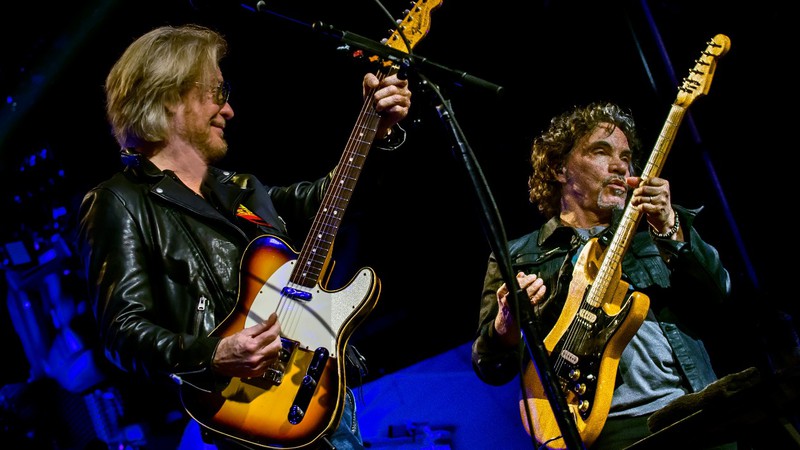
(299,401)
(602,313)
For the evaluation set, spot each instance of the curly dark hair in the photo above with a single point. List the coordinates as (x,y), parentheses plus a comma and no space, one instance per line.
(550,149)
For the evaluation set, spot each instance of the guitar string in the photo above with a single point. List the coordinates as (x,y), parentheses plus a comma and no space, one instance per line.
(576,337)
(326,228)
(369,116)
(571,330)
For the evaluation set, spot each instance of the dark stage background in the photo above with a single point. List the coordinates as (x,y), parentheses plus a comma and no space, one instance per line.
(296,97)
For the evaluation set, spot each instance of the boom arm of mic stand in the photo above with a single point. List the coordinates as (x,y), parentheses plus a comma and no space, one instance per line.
(499,244)
(381,50)
(394,55)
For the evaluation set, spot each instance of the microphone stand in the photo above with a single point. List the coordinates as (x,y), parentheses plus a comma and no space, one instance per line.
(491,221)
(498,242)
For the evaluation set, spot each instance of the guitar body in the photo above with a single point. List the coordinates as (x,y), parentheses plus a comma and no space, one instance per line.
(301,398)
(585,368)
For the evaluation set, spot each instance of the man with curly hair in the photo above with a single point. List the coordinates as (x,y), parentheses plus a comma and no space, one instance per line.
(582,179)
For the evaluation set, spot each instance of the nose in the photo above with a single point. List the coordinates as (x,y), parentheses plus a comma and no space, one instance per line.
(619,166)
(226,111)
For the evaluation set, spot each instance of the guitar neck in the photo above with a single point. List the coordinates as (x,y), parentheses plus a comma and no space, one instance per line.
(630,218)
(315,252)
(664,143)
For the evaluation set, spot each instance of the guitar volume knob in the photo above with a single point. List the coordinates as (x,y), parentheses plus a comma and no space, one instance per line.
(296,415)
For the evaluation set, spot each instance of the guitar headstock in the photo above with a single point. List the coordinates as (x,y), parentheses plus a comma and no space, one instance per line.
(414,26)
(699,80)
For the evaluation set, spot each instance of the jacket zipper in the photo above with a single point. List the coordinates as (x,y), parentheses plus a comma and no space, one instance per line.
(198,317)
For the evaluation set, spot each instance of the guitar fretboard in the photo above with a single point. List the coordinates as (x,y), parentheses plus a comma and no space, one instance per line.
(316,249)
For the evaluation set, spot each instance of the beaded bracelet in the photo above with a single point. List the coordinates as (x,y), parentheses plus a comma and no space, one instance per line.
(671,232)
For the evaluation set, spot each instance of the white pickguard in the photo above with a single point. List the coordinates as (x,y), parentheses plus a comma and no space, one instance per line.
(312,323)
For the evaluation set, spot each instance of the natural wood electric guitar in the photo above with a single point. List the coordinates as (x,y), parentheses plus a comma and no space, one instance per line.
(300,400)
(602,313)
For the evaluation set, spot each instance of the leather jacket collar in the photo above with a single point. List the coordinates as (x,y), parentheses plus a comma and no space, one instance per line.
(554,233)
(217,186)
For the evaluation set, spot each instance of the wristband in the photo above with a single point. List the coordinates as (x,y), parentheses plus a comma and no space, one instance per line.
(669,233)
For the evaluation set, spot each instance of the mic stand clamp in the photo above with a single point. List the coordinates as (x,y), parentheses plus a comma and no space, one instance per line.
(390,54)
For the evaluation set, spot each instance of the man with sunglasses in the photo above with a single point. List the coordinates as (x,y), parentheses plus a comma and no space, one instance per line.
(162,241)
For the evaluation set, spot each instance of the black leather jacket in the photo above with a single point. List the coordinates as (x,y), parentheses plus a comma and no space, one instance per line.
(685,282)
(163,263)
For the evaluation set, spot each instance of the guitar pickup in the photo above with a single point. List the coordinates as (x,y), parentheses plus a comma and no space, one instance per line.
(587,315)
(295,294)
(309,384)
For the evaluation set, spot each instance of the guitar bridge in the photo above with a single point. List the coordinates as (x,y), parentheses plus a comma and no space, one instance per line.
(277,370)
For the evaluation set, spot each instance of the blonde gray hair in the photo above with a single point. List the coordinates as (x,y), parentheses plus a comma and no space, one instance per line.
(152,73)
